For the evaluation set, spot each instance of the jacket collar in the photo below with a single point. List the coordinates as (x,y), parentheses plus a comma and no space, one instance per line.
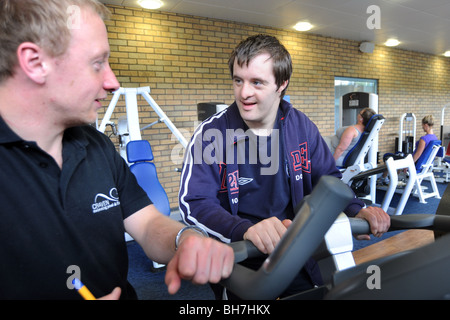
(235,121)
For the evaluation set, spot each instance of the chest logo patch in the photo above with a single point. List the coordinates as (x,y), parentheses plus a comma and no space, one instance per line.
(104,202)
(300,158)
(243,181)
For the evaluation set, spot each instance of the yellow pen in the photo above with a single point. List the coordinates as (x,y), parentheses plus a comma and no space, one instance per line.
(82,290)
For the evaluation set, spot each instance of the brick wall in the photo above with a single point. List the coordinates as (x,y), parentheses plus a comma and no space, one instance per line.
(183,59)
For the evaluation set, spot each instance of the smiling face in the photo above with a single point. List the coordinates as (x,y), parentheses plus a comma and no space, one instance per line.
(256,92)
(82,77)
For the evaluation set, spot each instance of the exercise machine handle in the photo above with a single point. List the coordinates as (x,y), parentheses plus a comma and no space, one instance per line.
(359,226)
(244,250)
(404,222)
(314,216)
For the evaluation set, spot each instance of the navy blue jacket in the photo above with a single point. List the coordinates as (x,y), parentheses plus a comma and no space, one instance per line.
(209,190)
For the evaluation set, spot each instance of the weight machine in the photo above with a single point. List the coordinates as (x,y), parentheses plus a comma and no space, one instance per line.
(442,162)
(351,104)
(407,136)
(128,128)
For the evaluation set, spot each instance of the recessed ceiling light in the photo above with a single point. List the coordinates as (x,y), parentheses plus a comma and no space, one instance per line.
(447,53)
(303,26)
(392,42)
(150,4)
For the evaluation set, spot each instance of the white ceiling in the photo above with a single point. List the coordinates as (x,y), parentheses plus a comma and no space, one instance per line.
(420,25)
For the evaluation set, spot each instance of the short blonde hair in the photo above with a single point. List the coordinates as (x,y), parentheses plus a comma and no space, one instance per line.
(43,22)
(429,120)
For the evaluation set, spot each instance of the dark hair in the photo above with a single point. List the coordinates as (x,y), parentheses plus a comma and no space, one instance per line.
(258,44)
(366,114)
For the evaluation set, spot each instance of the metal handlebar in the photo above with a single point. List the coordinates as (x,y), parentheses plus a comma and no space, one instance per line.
(314,216)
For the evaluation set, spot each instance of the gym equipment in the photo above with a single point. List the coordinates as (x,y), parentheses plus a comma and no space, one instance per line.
(424,166)
(442,163)
(350,105)
(314,217)
(419,171)
(129,128)
(392,166)
(413,275)
(405,143)
(354,162)
(207,109)
(445,130)
(140,157)
(418,274)
(138,152)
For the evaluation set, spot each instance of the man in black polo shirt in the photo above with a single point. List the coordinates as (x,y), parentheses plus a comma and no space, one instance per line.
(67,197)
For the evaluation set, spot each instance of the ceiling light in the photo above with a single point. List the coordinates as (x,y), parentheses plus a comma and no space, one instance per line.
(447,53)
(392,42)
(150,4)
(303,26)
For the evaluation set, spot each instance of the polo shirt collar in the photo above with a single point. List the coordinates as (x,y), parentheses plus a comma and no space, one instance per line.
(76,135)
(72,134)
(6,134)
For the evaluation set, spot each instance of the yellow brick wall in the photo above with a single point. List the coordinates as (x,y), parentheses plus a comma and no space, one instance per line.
(183,59)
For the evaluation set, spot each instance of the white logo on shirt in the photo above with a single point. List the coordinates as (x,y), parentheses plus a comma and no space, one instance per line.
(244,181)
(103,202)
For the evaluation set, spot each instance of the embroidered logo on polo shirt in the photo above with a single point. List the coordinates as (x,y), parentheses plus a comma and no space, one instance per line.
(104,202)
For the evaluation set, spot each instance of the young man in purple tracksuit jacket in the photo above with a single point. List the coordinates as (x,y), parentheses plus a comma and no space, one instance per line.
(247,167)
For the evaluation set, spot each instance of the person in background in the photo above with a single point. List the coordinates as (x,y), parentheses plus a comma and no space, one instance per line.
(421,144)
(68,197)
(347,137)
(427,126)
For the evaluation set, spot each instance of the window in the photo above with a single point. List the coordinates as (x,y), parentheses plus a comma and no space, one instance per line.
(343,85)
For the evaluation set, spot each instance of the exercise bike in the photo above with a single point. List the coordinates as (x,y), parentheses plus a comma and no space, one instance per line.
(319,230)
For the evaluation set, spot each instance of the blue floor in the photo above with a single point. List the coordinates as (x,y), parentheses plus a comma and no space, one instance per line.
(150,285)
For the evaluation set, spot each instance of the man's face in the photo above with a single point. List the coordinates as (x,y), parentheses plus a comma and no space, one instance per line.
(82,77)
(256,92)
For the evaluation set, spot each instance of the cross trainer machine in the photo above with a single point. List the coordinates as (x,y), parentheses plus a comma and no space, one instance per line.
(315,231)
(314,216)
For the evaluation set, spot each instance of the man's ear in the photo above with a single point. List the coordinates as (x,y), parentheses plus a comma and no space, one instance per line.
(32,61)
(283,86)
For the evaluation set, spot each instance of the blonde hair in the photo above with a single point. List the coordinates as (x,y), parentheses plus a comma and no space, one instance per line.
(429,120)
(43,22)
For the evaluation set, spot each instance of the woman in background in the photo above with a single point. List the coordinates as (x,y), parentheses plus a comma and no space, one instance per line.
(421,144)
(346,137)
